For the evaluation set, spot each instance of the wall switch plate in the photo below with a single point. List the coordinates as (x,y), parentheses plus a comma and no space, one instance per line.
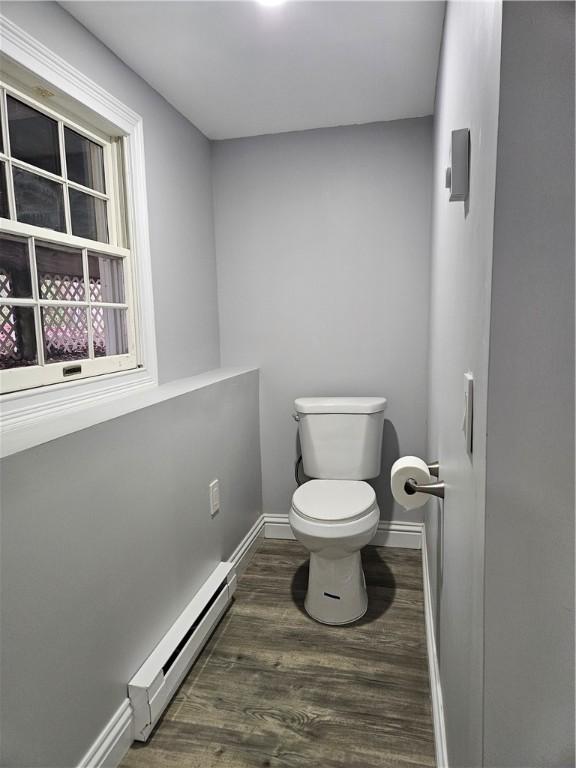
(468,421)
(214,489)
(460,166)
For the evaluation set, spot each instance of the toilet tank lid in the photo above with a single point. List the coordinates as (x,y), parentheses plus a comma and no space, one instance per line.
(340,404)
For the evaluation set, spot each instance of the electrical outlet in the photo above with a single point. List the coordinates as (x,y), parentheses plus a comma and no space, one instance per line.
(214,489)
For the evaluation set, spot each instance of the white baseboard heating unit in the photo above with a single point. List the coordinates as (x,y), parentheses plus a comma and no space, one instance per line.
(156,681)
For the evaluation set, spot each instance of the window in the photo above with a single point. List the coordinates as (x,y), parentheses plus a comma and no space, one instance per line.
(66,291)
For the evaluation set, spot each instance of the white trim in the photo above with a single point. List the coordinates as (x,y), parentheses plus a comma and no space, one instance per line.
(277,526)
(28,414)
(139,237)
(30,53)
(394,533)
(433,666)
(244,552)
(389,533)
(93,408)
(33,406)
(113,742)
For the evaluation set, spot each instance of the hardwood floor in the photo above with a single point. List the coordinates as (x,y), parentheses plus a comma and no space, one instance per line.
(274,688)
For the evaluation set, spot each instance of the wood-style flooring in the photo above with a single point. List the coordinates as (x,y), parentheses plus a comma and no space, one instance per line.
(275,689)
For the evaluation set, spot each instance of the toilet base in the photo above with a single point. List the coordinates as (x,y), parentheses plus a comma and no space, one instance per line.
(336,589)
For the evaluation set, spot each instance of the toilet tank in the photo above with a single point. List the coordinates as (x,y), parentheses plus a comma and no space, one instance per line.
(341,437)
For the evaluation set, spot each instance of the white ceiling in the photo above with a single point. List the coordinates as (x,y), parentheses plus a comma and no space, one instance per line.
(241,69)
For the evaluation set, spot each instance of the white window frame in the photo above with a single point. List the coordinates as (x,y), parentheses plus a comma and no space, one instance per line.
(29,408)
(41,375)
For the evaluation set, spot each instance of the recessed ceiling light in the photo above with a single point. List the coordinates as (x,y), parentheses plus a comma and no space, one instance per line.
(271,3)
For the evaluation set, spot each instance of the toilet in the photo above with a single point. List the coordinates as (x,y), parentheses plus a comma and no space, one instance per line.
(336,514)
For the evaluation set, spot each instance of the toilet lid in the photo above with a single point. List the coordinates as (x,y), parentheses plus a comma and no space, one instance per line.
(334,500)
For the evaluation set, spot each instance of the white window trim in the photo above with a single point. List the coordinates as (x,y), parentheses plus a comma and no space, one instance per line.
(29,408)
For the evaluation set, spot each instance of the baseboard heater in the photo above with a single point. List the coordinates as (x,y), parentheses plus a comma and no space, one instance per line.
(152,687)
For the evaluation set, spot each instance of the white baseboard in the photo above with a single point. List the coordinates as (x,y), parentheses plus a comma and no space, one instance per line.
(277,527)
(245,550)
(389,533)
(113,742)
(433,666)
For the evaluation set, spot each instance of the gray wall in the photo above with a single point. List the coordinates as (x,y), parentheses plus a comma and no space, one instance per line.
(467,97)
(323,259)
(529,631)
(502,305)
(106,536)
(179,193)
(106,533)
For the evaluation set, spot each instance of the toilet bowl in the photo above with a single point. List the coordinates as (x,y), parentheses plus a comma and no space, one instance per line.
(334,520)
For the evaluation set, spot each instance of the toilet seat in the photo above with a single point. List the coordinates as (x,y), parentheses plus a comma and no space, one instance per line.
(334,501)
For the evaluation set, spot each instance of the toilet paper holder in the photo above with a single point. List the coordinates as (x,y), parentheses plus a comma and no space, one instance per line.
(433,489)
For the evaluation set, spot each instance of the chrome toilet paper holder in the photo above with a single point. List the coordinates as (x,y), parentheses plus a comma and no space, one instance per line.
(432,489)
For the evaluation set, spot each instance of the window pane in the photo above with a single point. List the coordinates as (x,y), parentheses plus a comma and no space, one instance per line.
(88,216)
(33,136)
(65,333)
(17,337)
(15,281)
(39,201)
(84,161)
(4,210)
(106,278)
(109,331)
(60,274)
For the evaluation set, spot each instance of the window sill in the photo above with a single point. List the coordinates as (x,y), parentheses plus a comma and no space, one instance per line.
(25,426)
